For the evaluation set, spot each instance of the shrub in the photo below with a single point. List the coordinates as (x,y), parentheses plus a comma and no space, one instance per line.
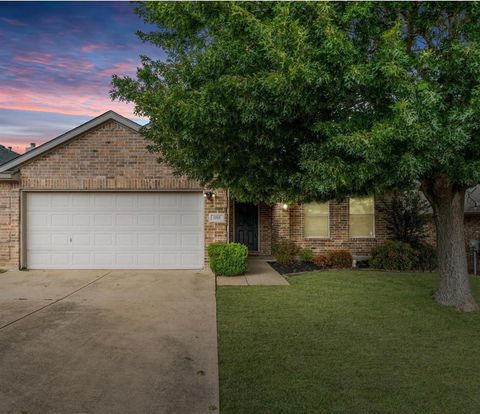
(321,261)
(285,251)
(425,257)
(340,259)
(306,255)
(407,215)
(228,259)
(393,255)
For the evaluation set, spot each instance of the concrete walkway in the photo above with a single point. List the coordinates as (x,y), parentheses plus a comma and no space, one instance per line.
(259,273)
(108,342)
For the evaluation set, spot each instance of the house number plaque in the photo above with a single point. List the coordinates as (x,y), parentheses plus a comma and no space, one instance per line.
(216,217)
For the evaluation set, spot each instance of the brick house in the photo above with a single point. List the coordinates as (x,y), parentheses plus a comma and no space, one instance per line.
(95,197)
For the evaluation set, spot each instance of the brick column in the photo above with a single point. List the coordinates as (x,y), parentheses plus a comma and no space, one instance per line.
(9,225)
(280,223)
(215,232)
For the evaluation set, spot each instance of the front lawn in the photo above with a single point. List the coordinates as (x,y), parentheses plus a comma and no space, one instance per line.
(346,342)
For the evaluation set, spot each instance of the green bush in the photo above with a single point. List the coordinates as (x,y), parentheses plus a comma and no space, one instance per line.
(285,251)
(393,255)
(306,255)
(340,259)
(228,259)
(425,257)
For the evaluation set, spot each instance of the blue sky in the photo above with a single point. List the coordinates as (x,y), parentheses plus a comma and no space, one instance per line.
(56,63)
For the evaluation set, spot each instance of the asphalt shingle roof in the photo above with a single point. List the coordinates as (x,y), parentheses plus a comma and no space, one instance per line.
(6,154)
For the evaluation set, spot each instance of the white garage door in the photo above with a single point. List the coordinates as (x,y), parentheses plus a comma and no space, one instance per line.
(114,230)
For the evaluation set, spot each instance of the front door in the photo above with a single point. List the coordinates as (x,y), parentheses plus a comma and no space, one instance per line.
(246,225)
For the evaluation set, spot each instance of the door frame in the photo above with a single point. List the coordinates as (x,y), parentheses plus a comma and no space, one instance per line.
(259,238)
(23,264)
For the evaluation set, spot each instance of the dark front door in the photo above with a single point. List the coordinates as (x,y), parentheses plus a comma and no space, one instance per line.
(246,225)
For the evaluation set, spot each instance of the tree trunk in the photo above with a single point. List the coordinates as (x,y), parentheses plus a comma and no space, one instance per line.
(447,202)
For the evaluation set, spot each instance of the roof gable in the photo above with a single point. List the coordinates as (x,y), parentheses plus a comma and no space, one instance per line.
(107,116)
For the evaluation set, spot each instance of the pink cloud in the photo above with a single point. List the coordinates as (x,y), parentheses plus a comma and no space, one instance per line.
(20,71)
(92,47)
(18,148)
(55,62)
(12,22)
(71,101)
(122,68)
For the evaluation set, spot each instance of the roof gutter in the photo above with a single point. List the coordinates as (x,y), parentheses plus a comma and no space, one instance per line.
(9,176)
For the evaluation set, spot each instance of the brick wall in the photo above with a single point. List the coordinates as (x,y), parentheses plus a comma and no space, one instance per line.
(281,226)
(215,232)
(108,157)
(472,232)
(9,224)
(339,231)
(265,229)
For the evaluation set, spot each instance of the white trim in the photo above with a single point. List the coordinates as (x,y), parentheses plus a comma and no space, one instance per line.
(328,236)
(23,264)
(9,176)
(374,220)
(107,116)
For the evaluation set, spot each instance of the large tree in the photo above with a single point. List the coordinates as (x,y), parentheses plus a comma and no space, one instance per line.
(300,100)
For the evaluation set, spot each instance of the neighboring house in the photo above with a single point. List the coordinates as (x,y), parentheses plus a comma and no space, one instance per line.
(6,154)
(95,197)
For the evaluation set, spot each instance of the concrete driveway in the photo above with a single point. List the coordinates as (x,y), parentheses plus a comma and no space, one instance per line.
(108,342)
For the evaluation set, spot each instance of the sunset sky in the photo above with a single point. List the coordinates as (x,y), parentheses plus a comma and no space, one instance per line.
(56,63)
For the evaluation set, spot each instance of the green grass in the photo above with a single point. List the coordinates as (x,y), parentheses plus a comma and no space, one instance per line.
(346,342)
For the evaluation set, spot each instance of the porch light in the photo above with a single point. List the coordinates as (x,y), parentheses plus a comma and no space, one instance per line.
(285,206)
(209,195)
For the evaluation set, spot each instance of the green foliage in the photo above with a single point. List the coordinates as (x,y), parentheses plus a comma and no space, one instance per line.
(407,215)
(340,259)
(321,261)
(393,255)
(288,100)
(306,255)
(397,255)
(285,251)
(228,259)
(425,257)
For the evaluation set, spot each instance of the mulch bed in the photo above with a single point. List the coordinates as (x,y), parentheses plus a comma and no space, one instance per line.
(297,267)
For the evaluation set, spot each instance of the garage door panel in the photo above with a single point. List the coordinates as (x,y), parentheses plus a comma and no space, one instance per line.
(81,219)
(168,202)
(147,239)
(81,260)
(115,230)
(103,260)
(126,240)
(60,202)
(102,220)
(60,259)
(146,220)
(81,239)
(40,240)
(189,260)
(60,240)
(127,202)
(191,220)
(102,239)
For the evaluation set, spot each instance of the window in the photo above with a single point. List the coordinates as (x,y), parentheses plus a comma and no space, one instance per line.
(316,221)
(362,217)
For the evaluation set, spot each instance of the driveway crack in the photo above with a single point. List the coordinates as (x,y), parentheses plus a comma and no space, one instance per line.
(55,301)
